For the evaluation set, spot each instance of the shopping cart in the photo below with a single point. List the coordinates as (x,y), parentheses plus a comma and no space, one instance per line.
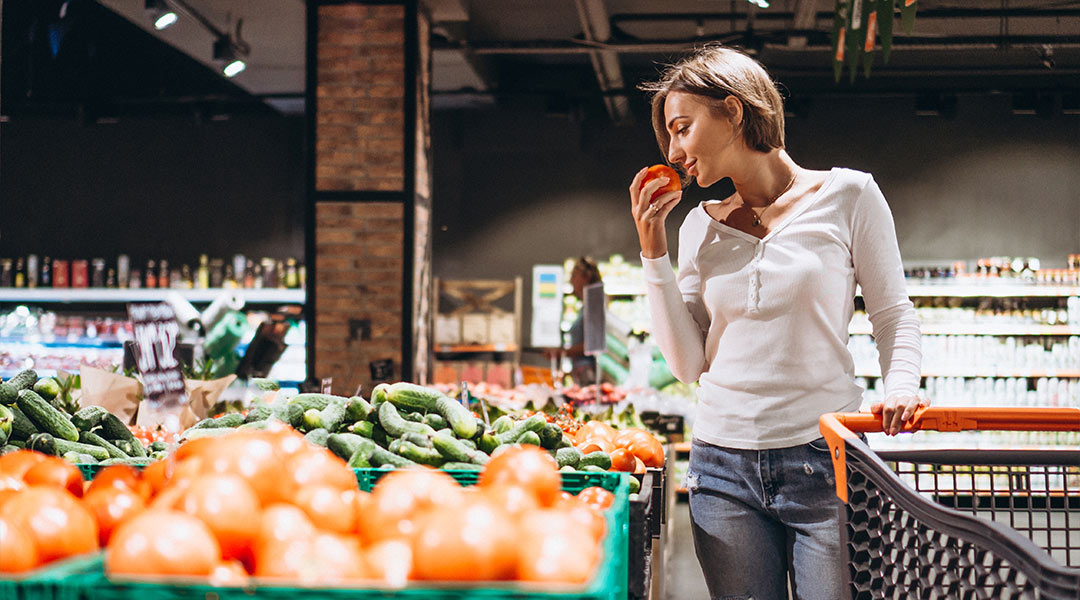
(937,524)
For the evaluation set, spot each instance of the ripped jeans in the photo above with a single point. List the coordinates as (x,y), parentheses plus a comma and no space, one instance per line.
(761,517)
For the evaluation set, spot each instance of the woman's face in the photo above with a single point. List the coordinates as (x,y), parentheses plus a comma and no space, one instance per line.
(701,141)
(578,279)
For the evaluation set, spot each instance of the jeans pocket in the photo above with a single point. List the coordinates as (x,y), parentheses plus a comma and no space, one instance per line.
(820,445)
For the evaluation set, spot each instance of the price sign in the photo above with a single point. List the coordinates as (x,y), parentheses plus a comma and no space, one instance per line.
(156,332)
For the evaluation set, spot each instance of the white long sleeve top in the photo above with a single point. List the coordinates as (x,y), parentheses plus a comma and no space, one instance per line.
(762,324)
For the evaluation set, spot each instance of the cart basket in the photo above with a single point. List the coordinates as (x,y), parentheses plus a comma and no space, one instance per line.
(994,524)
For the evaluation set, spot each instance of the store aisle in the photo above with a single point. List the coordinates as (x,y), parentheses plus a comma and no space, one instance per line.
(684,579)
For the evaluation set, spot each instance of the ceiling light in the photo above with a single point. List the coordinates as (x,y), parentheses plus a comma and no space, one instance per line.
(759,3)
(234,68)
(160,12)
(230,54)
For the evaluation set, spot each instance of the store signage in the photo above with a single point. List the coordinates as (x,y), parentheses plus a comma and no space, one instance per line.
(595,307)
(547,306)
(156,333)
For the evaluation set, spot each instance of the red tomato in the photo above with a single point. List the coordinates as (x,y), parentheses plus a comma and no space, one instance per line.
(16,464)
(59,524)
(401,497)
(112,506)
(595,429)
(229,507)
(163,542)
(596,497)
(229,573)
(18,551)
(124,477)
(527,466)
(324,558)
(560,551)
(674,183)
(622,460)
(280,522)
(471,543)
(390,562)
(646,447)
(330,508)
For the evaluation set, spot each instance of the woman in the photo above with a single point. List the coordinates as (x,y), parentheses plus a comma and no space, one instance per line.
(584,273)
(758,315)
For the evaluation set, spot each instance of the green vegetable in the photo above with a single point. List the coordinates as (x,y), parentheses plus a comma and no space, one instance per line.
(254,425)
(357,409)
(410,396)
(89,437)
(568,457)
(295,415)
(158,446)
(381,456)
(79,458)
(316,401)
(193,434)
(435,420)
(230,421)
(333,416)
(312,420)
(258,412)
(8,394)
(21,427)
(346,444)
(395,425)
(593,469)
(279,408)
(423,456)
(47,387)
(112,428)
(134,461)
(461,420)
(422,440)
(46,417)
(363,428)
(88,417)
(598,458)
(550,436)
(378,394)
(533,424)
(49,444)
(635,485)
(503,424)
(23,380)
(529,437)
(7,418)
(266,385)
(414,416)
(488,442)
(461,466)
(456,451)
(318,436)
(360,458)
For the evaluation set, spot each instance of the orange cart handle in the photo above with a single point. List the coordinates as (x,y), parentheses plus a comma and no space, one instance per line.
(837,427)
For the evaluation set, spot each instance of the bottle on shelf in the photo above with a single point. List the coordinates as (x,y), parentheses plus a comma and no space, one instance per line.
(164,275)
(187,282)
(7,275)
(60,273)
(20,273)
(80,273)
(249,274)
(279,270)
(217,276)
(97,273)
(46,273)
(151,274)
(291,278)
(135,280)
(32,271)
(123,270)
(202,278)
(229,281)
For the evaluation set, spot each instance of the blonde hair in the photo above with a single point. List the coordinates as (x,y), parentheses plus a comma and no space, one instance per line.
(714,72)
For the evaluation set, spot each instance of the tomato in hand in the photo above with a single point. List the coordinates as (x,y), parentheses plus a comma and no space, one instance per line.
(674,183)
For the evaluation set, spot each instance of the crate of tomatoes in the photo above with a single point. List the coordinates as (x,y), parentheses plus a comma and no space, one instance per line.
(270,515)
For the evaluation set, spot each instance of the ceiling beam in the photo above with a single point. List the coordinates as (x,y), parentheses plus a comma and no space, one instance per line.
(805,14)
(597,30)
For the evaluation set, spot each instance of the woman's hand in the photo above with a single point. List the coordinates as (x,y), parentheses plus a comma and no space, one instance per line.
(897,410)
(649,217)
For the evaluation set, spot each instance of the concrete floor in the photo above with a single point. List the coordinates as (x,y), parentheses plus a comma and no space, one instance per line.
(684,580)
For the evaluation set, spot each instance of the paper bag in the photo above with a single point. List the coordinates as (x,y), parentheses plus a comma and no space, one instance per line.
(118,394)
(202,396)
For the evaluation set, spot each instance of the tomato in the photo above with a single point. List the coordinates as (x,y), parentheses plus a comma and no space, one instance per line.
(329,508)
(281,522)
(156,474)
(594,429)
(639,467)
(17,463)
(18,551)
(589,518)
(230,509)
(252,457)
(195,447)
(324,558)
(596,443)
(318,466)
(401,496)
(596,497)
(229,573)
(560,550)
(471,543)
(622,460)
(390,562)
(162,542)
(527,466)
(11,482)
(674,183)
(112,506)
(123,477)
(646,447)
(58,523)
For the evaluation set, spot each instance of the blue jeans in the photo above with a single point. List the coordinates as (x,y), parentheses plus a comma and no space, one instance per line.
(764,517)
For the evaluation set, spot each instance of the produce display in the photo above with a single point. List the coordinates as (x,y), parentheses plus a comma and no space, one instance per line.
(269,505)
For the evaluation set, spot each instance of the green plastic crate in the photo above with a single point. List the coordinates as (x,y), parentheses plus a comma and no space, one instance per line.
(86,580)
(50,582)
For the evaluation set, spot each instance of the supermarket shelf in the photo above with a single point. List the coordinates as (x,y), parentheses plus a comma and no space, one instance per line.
(102,295)
(989,288)
(82,342)
(970,373)
(998,329)
(467,348)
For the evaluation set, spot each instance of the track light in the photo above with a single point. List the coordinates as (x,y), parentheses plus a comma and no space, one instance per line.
(161,13)
(759,3)
(230,53)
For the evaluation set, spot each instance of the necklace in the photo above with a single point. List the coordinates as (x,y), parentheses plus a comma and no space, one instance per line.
(757,217)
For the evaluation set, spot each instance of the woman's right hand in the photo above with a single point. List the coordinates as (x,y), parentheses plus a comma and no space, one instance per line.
(650,217)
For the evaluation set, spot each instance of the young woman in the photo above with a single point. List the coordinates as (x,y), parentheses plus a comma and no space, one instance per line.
(758,315)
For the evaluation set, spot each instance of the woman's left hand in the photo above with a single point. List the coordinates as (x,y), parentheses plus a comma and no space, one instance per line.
(897,410)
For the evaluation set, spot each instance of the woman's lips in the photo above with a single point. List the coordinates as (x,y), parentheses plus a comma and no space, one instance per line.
(690,167)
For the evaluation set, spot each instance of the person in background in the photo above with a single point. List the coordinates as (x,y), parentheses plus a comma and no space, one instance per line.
(758,315)
(583,370)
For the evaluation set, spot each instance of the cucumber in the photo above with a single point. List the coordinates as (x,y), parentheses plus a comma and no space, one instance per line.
(316,401)
(529,437)
(379,435)
(346,444)
(79,458)
(461,466)
(134,461)
(279,408)
(89,437)
(8,449)
(333,416)
(435,420)
(48,388)
(190,434)
(360,458)
(158,446)
(568,457)
(460,419)
(378,394)
(254,425)
(533,424)
(635,485)
(295,415)
(488,442)
(410,396)
(318,436)
(112,428)
(592,469)
(312,420)
(45,417)
(421,440)
(266,385)
(23,380)
(423,456)
(564,442)
(550,436)
(8,394)
(4,436)
(382,457)
(455,451)
(258,412)
(357,409)
(7,418)
(471,445)
(503,424)
(395,425)
(230,421)
(49,444)
(363,428)
(88,417)
(598,458)
(414,416)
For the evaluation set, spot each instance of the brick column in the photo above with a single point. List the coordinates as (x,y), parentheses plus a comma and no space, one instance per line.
(364,74)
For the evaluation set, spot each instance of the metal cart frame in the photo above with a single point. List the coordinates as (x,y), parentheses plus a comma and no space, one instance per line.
(902,542)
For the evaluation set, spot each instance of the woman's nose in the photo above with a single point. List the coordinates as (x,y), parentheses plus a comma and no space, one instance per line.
(675,153)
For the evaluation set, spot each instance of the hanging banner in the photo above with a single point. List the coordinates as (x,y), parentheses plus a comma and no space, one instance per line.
(156,332)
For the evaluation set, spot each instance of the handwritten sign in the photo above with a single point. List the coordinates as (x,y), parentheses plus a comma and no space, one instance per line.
(156,333)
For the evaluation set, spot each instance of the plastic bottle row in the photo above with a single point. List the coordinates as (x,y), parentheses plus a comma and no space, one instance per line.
(975,353)
(987,391)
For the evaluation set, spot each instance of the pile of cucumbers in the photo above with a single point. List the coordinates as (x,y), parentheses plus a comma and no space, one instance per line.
(404,424)
(30,417)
